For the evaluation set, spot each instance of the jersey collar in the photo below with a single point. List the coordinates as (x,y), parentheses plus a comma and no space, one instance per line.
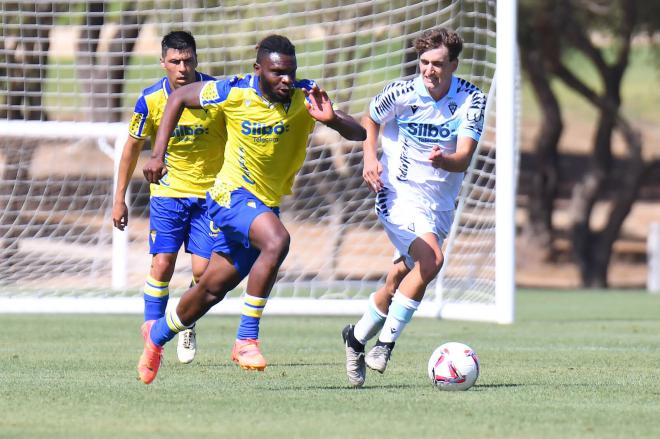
(168,88)
(254,83)
(421,89)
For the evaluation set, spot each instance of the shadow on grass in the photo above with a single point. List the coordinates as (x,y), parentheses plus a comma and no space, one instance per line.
(495,386)
(305,364)
(213,364)
(348,388)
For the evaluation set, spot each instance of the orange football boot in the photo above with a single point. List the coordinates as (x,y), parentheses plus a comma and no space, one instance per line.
(151,355)
(247,355)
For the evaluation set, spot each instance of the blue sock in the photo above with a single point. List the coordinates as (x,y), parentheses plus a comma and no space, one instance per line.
(253,308)
(166,328)
(156,295)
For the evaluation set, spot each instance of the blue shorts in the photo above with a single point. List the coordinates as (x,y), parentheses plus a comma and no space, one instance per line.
(176,221)
(234,222)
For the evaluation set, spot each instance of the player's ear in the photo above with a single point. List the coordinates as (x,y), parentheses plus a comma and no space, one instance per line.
(454,65)
(257,68)
(162,63)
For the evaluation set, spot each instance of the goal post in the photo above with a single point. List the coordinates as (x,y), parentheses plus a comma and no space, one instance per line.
(79,70)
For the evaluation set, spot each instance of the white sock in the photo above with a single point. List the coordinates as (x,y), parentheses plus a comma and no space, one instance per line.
(402,309)
(370,323)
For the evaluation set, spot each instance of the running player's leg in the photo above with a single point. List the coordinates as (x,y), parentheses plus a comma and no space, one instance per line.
(220,277)
(427,256)
(168,225)
(199,243)
(417,233)
(268,234)
(379,302)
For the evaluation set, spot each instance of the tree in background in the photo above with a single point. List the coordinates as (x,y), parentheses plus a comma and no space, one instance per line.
(26,57)
(570,25)
(536,32)
(102,74)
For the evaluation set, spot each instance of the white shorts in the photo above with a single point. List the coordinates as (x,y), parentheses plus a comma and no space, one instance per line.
(406,221)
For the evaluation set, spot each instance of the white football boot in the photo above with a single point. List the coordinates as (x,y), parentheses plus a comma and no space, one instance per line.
(186,347)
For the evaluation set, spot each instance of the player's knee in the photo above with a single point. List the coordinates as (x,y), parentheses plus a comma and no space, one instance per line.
(217,282)
(277,247)
(162,268)
(211,293)
(430,267)
(197,273)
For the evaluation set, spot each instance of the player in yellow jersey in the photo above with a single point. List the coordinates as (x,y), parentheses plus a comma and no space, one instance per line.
(269,116)
(178,201)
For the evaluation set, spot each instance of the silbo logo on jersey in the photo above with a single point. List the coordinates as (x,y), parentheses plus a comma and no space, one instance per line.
(427,132)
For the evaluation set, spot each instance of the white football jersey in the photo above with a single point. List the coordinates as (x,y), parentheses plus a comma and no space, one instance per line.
(413,124)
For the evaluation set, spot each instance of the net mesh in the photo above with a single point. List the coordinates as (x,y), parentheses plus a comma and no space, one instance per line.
(88,62)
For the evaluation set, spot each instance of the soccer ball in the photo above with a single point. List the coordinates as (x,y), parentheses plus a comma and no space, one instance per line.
(453,366)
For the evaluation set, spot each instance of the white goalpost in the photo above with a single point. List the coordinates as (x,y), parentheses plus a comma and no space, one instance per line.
(72,72)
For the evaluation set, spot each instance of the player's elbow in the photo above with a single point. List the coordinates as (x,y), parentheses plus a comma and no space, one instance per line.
(348,127)
(462,167)
(356,133)
(361,136)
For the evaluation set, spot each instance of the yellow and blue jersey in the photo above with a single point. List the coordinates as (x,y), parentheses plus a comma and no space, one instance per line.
(266,142)
(195,150)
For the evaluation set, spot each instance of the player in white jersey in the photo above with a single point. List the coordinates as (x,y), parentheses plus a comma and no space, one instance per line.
(430,128)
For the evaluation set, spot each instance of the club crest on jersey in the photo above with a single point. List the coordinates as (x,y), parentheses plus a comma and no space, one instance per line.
(452,107)
(251,204)
(411,227)
(214,230)
(413,108)
(153,236)
(248,102)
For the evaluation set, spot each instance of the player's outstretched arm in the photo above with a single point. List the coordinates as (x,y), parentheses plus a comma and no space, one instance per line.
(320,108)
(127,163)
(372,166)
(183,97)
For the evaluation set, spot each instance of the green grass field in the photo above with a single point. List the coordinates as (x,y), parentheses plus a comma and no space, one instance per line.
(574,364)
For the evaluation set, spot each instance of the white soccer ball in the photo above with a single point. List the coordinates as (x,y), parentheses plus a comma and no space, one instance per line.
(453,366)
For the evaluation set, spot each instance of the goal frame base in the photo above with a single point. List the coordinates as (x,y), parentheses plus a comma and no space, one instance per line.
(234,305)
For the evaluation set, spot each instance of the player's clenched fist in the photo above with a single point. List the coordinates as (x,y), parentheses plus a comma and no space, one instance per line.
(154,170)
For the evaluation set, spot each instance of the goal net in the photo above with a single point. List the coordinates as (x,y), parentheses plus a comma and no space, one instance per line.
(71,74)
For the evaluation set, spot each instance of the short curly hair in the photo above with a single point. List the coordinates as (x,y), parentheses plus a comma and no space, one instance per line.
(434,38)
(275,44)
